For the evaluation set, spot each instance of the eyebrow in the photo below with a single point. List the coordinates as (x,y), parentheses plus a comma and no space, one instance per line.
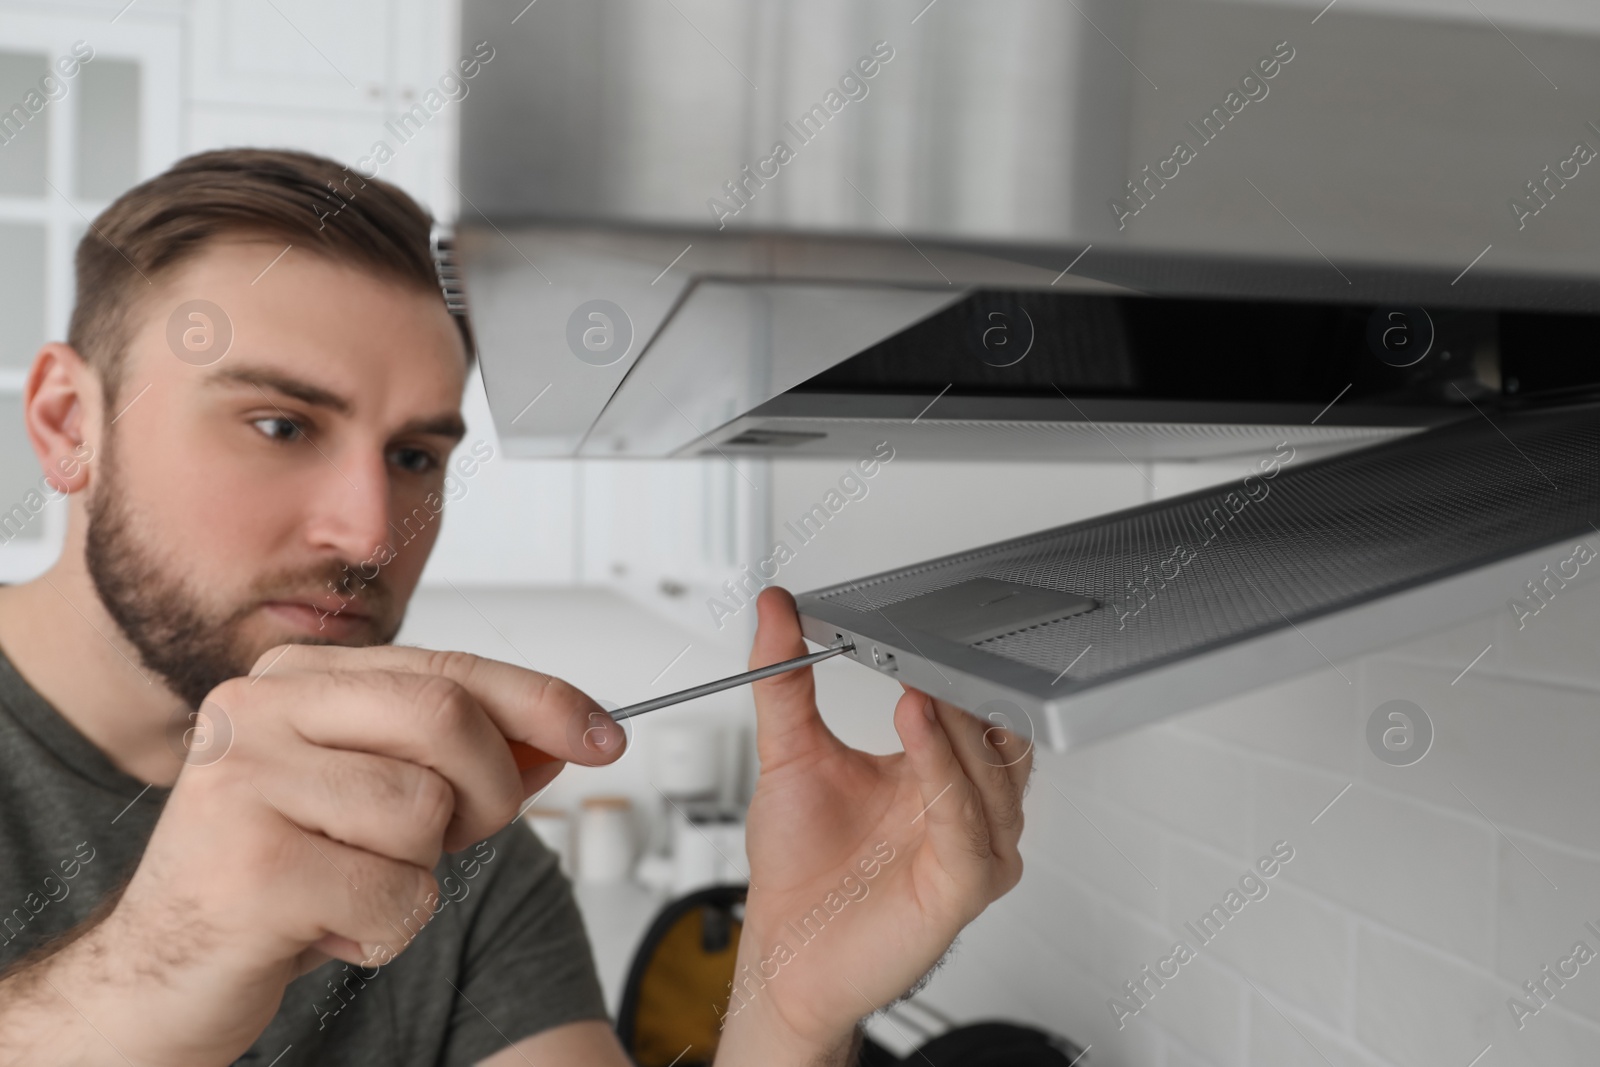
(446,424)
(302,391)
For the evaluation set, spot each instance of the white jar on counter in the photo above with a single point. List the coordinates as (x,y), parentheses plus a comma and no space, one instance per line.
(605,845)
(686,760)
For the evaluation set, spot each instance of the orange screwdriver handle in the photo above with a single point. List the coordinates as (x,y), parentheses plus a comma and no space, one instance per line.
(527,756)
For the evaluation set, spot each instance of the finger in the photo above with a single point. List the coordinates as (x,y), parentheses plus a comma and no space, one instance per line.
(391,807)
(997,762)
(342,897)
(1013,747)
(951,812)
(538,709)
(427,720)
(323,887)
(788,725)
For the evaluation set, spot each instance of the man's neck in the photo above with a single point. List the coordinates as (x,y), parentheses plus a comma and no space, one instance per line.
(57,633)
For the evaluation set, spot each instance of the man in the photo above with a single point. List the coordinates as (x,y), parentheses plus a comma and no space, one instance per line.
(253,414)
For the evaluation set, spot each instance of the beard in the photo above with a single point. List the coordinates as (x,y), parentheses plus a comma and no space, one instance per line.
(192,646)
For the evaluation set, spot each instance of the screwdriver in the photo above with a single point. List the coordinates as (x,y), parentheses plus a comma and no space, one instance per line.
(528,756)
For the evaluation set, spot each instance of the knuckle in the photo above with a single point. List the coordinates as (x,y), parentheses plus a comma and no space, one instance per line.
(447,704)
(431,802)
(450,663)
(232,693)
(550,689)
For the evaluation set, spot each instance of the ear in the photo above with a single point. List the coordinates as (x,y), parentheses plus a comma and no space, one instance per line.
(61,403)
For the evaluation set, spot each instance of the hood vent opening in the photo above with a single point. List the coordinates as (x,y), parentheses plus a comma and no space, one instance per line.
(1020,374)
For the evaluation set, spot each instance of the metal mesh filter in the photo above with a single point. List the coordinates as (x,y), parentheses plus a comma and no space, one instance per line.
(1179,576)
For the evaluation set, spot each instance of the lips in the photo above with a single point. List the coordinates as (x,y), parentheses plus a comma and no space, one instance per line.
(316,617)
(347,609)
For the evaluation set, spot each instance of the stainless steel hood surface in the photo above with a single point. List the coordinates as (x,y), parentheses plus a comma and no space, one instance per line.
(616,152)
(1397,132)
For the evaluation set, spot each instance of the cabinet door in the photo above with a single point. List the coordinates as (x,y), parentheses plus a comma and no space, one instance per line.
(69,144)
(297,53)
(669,533)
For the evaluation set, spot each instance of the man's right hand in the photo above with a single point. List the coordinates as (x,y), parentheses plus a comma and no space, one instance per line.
(350,772)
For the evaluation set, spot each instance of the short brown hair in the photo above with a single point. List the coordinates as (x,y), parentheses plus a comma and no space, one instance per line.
(309,201)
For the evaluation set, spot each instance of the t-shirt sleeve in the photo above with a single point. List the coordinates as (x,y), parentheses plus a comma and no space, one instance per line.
(527,965)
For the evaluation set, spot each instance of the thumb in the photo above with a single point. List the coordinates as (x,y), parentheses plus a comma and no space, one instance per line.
(788,725)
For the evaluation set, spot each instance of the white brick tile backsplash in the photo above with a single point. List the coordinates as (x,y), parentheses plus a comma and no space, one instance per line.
(1404,864)
(1310,720)
(1287,941)
(1181,1055)
(1537,925)
(1283,1036)
(1070,919)
(1419,1008)
(1204,1004)
(1195,788)
(1558,643)
(1551,1038)
(1456,646)
(1518,754)
(1074,828)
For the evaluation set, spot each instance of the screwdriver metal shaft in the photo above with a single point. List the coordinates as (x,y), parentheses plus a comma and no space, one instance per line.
(527,757)
(728,683)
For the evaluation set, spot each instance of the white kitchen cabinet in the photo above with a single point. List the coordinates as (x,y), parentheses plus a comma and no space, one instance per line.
(334,81)
(669,533)
(292,53)
(116,122)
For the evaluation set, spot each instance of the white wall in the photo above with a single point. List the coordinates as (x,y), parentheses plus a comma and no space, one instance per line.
(1406,918)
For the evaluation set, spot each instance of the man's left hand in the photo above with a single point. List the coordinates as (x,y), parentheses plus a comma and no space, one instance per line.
(863,868)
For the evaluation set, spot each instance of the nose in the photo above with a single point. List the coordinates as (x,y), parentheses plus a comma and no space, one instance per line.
(348,504)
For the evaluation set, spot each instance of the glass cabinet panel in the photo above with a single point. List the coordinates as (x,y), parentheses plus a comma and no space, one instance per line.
(22,291)
(108,128)
(24,131)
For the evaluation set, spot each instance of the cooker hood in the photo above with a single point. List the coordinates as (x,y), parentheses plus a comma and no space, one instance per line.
(967,242)
(1172,604)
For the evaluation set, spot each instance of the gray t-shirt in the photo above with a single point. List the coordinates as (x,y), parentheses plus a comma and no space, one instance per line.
(504,956)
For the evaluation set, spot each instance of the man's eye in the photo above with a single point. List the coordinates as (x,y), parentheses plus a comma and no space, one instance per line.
(414,460)
(278,428)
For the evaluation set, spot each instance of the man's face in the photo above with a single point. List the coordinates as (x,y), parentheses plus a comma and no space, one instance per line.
(289,491)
